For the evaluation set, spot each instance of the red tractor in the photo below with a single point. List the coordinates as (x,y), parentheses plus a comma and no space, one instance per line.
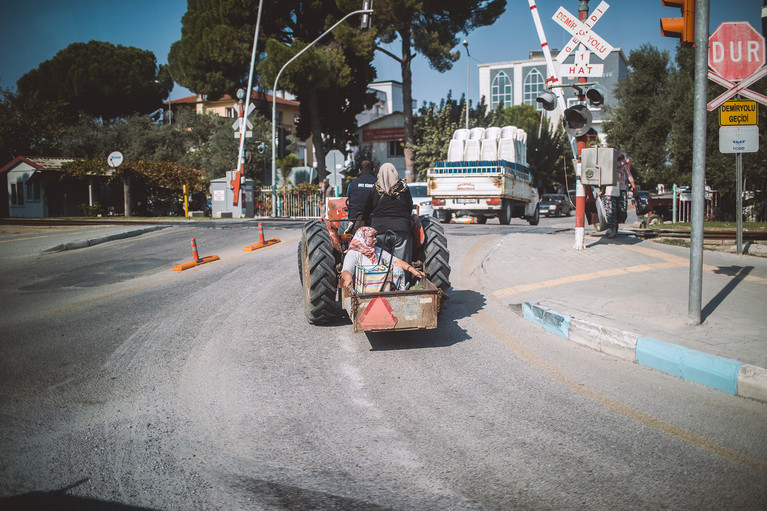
(320,257)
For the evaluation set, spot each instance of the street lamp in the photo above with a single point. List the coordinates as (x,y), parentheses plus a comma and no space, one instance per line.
(274,97)
(466,45)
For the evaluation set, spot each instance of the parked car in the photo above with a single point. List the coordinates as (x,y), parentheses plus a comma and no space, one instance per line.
(421,200)
(555,204)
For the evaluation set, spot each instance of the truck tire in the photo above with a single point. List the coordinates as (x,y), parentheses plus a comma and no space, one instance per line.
(654,219)
(481,219)
(504,216)
(318,274)
(436,257)
(533,220)
(445,216)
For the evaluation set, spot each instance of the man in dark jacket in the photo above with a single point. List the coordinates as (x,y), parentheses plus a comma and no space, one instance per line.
(358,192)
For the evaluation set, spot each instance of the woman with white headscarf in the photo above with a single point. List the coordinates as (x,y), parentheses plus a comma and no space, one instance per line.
(390,207)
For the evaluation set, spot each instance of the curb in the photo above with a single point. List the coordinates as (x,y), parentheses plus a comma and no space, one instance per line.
(73,245)
(721,373)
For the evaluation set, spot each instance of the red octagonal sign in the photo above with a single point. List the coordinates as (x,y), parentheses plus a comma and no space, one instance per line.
(735,50)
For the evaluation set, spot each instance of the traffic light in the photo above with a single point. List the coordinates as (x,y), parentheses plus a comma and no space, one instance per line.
(547,99)
(684,27)
(577,120)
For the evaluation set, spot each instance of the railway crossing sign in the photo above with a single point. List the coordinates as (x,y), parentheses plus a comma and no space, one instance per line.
(582,33)
(739,113)
(736,58)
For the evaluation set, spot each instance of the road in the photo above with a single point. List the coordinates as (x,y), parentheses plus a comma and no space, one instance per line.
(126,385)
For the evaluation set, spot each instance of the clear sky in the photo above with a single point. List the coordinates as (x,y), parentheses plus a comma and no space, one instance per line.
(32,32)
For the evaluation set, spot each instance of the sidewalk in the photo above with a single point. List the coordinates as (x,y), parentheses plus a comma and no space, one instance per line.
(629,298)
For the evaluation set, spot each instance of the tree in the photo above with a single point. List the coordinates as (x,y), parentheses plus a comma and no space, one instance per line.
(100,80)
(428,27)
(29,126)
(641,123)
(330,79)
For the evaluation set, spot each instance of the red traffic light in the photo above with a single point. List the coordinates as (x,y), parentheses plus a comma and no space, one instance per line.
(684,27)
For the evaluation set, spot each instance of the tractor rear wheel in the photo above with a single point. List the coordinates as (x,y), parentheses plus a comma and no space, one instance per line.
(318,274)
(436,258)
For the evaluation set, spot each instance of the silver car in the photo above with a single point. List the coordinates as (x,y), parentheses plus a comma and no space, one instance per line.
(421,199)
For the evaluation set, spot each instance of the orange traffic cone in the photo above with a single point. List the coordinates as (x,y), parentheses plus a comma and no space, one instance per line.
(262,242)
(196,261)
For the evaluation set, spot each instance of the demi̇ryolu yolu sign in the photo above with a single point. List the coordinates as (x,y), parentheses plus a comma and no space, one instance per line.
(739,113)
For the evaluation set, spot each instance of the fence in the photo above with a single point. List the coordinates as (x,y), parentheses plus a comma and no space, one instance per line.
(723,207)
(288,205)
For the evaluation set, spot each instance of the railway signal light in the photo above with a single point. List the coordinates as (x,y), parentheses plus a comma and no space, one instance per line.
(682,28)
(547,99)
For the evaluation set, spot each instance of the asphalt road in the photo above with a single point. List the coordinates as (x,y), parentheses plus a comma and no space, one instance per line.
(126,385)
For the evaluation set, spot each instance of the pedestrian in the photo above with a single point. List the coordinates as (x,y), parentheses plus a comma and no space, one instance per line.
(615,198)
(357,195)
(390,208)
(327,190)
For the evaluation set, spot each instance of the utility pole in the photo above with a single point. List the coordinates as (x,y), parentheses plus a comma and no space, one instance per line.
(698,161)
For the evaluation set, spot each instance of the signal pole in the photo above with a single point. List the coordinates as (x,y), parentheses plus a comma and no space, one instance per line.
(580,193)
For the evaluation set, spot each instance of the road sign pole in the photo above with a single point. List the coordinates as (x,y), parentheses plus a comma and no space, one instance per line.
(739,202)
(698,162)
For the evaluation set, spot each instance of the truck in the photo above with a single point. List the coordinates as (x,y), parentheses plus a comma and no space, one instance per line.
(485,177)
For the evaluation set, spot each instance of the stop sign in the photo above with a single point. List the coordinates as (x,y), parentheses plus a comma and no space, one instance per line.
(735,50)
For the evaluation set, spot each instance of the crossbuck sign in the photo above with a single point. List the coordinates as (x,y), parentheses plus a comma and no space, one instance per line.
(584,35)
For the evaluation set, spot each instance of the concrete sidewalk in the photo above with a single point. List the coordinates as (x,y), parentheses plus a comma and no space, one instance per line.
(629,298)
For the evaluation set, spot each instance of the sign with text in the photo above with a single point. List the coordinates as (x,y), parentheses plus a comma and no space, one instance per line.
(582,32)
(739,113)
(383,134)
(738,139)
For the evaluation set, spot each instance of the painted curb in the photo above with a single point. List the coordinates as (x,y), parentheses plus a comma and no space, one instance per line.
(689,364)
(721,373)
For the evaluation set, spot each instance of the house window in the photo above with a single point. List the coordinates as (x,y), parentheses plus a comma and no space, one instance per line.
(230,112)
(501,91)
(33,190)
(396,148)
(279,116)
(534,85)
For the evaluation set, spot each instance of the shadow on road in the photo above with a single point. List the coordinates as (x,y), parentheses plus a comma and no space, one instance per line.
(60,501)
(462,304)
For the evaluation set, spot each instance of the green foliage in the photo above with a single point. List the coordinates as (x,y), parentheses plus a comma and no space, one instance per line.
(29,126)
(99,79)
(653,124)
(91,211)
(546,155)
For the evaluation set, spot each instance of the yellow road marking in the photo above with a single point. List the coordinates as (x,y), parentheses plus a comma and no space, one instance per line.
(593,394)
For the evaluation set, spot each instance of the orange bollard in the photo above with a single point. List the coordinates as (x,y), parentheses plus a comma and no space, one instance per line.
(195,254)
(262,242)
(197,259)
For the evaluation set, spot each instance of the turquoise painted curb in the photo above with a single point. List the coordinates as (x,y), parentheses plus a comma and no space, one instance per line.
(546,318)
(710,370)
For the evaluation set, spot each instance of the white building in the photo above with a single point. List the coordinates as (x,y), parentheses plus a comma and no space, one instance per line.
(520,82)
(382,127)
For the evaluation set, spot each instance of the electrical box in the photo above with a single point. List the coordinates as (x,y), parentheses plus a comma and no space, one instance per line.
(599,166)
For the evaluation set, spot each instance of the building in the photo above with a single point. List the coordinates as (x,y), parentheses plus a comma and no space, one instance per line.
(382,127)
(287,114)
(520,82)
(35,189)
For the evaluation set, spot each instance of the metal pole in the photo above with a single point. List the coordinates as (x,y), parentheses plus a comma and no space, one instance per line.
(739,202)
(274,101)
(466,45)
(698,162)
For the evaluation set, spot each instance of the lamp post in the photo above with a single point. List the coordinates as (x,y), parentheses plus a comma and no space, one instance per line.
(466,45)
(274,96)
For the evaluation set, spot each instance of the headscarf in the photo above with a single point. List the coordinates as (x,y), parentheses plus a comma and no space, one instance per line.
(388,182)
(362,244)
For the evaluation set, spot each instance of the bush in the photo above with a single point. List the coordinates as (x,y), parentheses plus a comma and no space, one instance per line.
(95,210)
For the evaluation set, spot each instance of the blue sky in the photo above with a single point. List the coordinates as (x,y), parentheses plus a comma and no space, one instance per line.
(32,32)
